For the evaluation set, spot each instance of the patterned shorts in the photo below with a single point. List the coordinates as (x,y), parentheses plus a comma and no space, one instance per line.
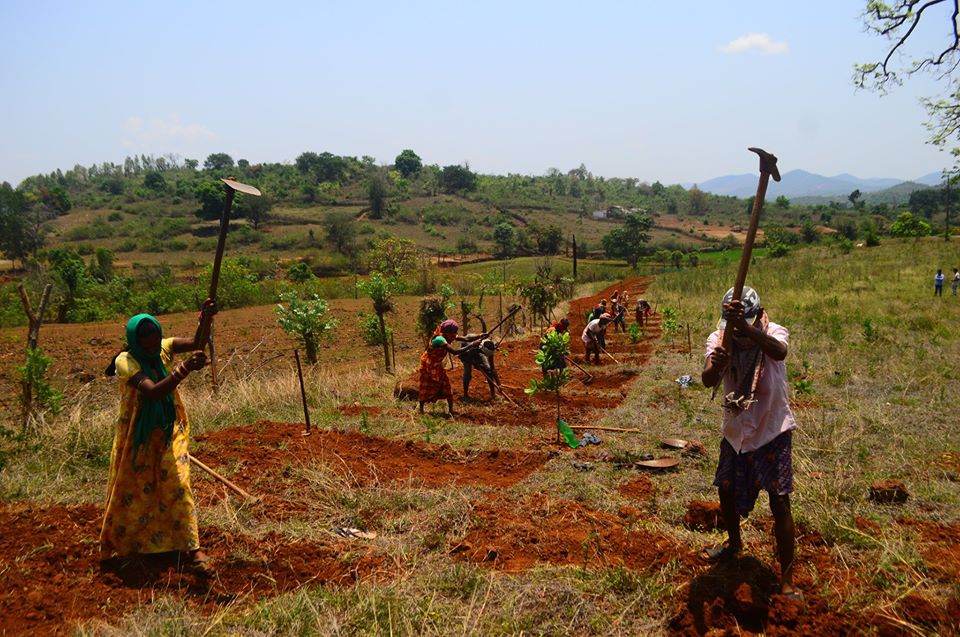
(769,468)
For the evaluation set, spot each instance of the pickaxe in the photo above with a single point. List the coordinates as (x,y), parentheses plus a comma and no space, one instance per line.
(768,168)
(231,187)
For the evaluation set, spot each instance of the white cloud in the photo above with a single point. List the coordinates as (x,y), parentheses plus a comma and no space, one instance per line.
(759,42)
(140,133)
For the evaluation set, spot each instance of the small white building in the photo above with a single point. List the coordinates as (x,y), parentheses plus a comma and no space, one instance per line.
(599,214)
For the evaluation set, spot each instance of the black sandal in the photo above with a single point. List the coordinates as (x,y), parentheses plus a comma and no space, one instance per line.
(717,553)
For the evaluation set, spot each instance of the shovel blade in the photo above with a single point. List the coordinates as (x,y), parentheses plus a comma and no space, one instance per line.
(244,188)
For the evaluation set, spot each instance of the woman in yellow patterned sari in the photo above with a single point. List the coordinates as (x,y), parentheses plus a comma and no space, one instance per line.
(150,506)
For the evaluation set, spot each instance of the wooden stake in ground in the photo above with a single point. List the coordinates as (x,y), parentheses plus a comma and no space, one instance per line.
(303,394)
(227,483)
(35,319)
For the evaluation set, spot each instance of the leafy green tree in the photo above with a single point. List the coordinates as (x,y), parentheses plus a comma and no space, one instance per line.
(925,202)
(676,259)
(210,196)
(554,348)
(393,256)
(306,319)
(154,181)
(907,225)
(503,239)
(299,272)
(869,232)
(323,166)
(854,198)
(380,289)
(808,232)
(341,231)
(17,240)
(191,164)
(101,265)
(256,210)
(55,198)
(454,179)
(377,193)
(696,201)
(782,202)
(407,163)
(548,239)
(70,275)
(897,22)
(629,241)
(218,161)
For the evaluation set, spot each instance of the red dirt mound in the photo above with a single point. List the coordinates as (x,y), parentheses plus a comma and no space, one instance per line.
(51,575)
(640,489)
(702,515)
(940,547)
(512,536)
(263,451)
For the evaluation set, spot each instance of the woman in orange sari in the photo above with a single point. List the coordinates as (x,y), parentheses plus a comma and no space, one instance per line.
(434,383)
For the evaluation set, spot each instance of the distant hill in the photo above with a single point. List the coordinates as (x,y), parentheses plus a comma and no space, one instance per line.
(802,184)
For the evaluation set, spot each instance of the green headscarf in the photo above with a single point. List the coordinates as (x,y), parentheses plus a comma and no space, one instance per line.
(153,413)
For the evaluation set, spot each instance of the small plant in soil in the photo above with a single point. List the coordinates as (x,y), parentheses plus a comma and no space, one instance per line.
(306,319)
(554,347)
(380,289)
(635,333)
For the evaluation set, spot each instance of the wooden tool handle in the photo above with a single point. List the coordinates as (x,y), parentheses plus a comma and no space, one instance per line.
(226,482)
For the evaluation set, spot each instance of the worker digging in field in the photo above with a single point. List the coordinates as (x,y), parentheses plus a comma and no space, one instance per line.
(434,383)
(150,506)
(642,311)
(756,449)
(481,357)
(593,336)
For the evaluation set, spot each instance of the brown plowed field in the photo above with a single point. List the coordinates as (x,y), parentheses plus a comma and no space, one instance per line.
(51,576)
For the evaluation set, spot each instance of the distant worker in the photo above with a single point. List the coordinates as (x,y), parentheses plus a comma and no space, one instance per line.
(593,337)
(956,281)
(642,311)
(481,357)
(938,283)
(434,382)
(619,313)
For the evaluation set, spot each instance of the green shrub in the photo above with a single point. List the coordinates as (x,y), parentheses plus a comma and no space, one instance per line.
(307,320)
(370,329)
(34,372)
(299,272)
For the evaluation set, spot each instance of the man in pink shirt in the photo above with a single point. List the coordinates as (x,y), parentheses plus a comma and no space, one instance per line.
(757,426)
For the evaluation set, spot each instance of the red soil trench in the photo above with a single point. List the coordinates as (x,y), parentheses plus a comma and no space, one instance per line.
(736,597)
(51,576)
(580,402)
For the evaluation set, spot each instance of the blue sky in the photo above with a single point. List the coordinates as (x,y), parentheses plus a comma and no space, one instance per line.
(658,91)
